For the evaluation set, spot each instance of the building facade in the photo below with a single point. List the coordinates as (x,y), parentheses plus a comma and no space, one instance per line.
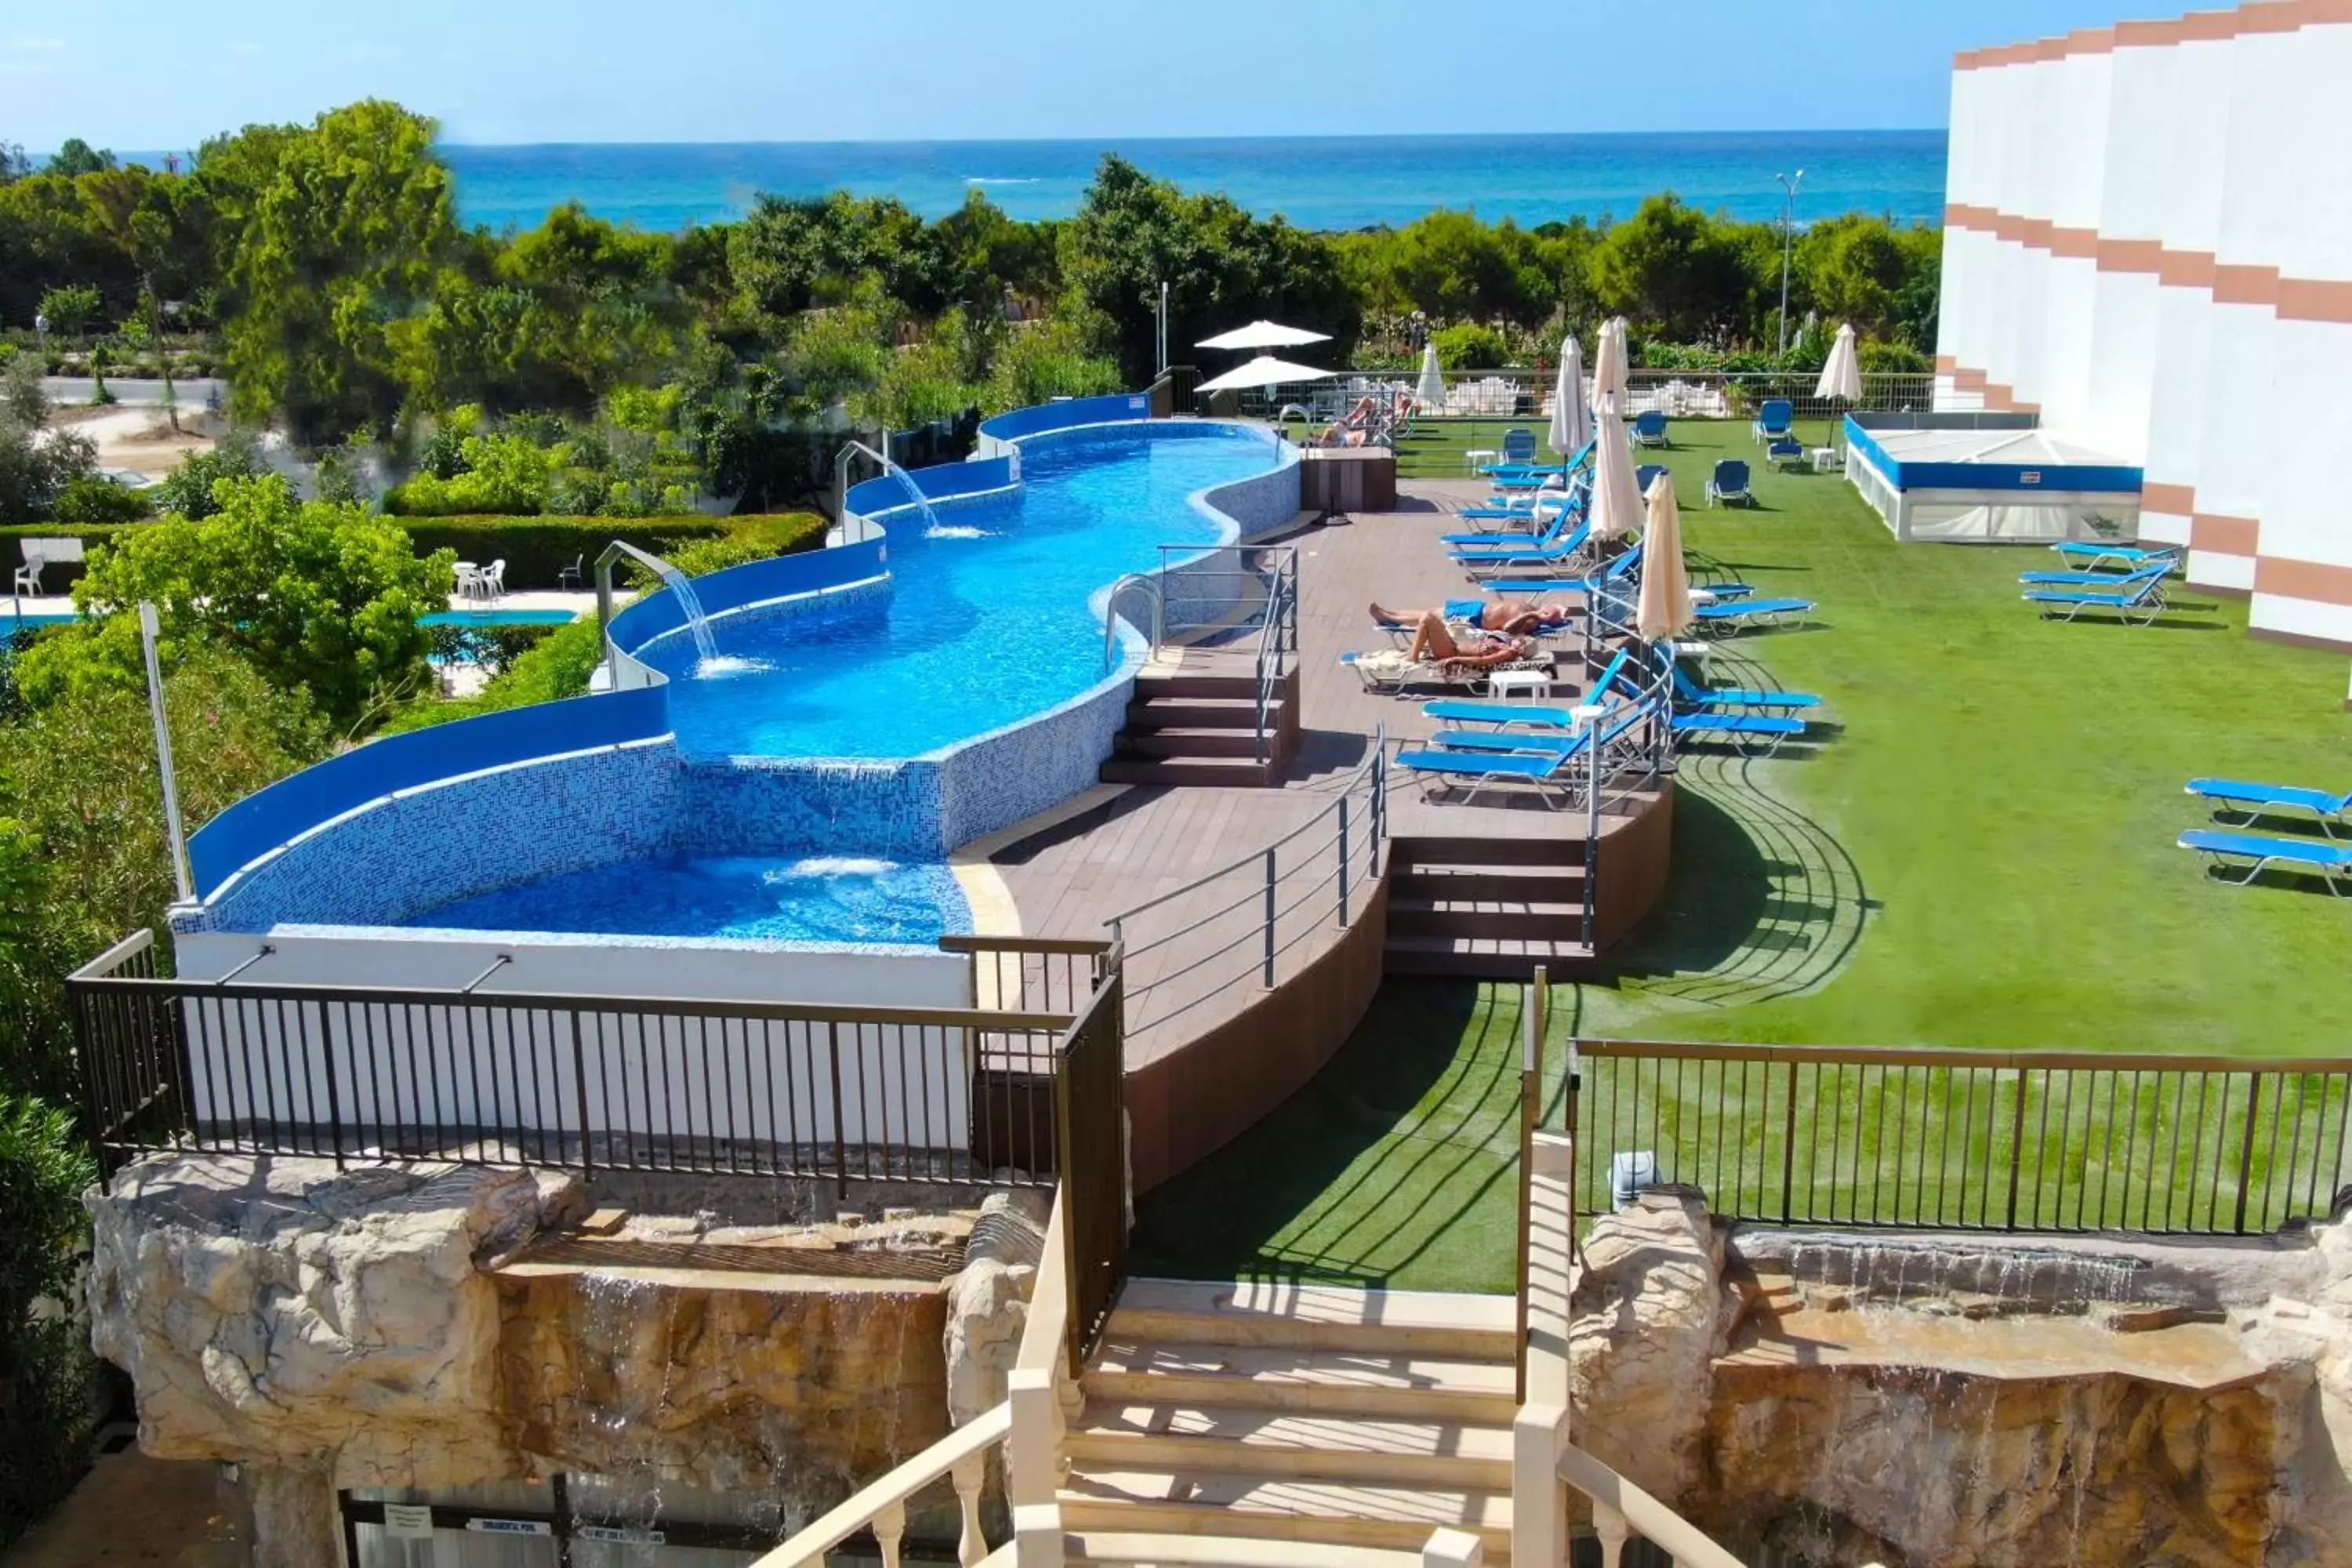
(2148,242)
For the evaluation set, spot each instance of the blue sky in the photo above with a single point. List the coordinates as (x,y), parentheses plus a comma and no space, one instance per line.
(785,70)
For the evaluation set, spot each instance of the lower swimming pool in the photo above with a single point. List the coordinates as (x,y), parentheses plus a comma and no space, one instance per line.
(988,621)
(739,897)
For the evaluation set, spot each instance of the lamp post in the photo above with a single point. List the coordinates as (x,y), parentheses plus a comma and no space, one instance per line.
(1788,183)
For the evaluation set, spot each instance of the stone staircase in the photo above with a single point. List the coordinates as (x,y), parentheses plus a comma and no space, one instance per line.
(1489,909)
(1197,727)
(1291,1427)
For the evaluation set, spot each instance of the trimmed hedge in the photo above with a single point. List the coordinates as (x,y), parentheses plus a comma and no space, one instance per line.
(536,549)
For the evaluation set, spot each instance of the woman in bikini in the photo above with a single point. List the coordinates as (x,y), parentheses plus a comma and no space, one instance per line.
(1433,640)
(1512,617)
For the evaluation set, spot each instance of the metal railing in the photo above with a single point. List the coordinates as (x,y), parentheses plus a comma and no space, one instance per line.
(640,1083)
(1970,1140)
(1525,394)
(1172,390)
(1237,925)
(1134,583)
(1230,594)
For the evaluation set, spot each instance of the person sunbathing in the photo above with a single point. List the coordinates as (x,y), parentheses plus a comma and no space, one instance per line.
(1433,640)
(1512,617)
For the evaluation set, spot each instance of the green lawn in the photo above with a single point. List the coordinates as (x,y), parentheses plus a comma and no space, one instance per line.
(1979,854)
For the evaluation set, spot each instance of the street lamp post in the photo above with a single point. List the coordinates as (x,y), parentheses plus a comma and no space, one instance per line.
(1788,183)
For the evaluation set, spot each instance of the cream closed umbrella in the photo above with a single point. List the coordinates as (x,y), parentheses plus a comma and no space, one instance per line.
(1665,606)
(1841,376)
(1430,390)
(1616,509)
(1572,421)
(1609,368)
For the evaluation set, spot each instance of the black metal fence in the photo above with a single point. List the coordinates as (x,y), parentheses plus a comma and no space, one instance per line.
(742,1088)
(1964,1139)
(1090,1114)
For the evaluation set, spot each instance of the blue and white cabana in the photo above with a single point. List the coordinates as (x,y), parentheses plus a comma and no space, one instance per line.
(1988,478)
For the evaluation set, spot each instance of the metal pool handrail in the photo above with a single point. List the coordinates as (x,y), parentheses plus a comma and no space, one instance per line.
(1134,581)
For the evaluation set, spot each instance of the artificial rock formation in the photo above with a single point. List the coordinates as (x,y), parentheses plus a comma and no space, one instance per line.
(988,1302)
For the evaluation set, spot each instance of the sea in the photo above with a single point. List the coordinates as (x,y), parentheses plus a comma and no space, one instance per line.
(1320,183)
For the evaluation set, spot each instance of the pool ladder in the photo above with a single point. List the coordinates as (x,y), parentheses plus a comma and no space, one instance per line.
(1134,582)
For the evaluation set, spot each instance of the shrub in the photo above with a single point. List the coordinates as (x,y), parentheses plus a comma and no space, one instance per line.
(188,488)
(536,549)
(1470,346)
(557,666)
(45,1361)
(94,500)
(495,648)
(504,476)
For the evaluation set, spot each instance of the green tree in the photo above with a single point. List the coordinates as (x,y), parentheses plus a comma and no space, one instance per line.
(188,490)
(1675,273)
(46,1366)
(342,240)
(1036,361)
(1470,347)
(318,597)
(79,157)
(70,307)
(34,473)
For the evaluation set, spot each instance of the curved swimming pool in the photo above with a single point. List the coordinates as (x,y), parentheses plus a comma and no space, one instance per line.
(990,618)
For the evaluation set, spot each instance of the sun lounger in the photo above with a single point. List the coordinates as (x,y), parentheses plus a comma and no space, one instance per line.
(1566,552)
(1774,421)
(1738,615)
(2241,857)
(1728,483)
(2102,556)
(1388,672)
(1649,474)
(2137,603)
(1552,771)
(1526,715)
(1758,734)
(2245,801)
(1570,509)
(1788,453)
(2099,581)
(1690,694)
(1649,428)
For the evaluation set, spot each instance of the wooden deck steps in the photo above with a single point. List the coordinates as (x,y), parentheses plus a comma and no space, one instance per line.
(1200,727)
(1487,908)
(1308,1416)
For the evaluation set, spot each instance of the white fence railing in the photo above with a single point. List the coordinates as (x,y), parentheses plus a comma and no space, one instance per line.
(1527,395)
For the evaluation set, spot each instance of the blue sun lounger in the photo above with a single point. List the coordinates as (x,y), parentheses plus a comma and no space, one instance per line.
(1689,693)
(2138,603)
(1728,483)
(1758,734)
(1736,614)
(2099,555)
(1561,552)
(2240,858)
(1774,421)
(2245,801)
(1513,715)
(1571,510)
(1551,768)
(2098,582)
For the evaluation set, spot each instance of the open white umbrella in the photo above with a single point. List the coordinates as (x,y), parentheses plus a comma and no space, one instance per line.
(1431,389)
(1263,370)
(1841,376)
(1616,492)
(1572,422)
(1665,606)
(1264,335)
(1609,368)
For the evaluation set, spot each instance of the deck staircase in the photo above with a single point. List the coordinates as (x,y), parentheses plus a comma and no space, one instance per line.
(1490,909)
(1291,1427)
(1200,727)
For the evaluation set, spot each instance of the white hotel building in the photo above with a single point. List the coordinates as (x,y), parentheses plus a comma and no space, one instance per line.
(2148,242)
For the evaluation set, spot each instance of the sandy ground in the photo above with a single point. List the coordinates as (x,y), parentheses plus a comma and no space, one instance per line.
(130,1509)
(139,439)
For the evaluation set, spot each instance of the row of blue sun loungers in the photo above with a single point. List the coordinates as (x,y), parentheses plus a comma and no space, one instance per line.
(2241,856)
(2125,580)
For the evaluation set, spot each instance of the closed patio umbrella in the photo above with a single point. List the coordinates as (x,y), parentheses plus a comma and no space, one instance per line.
(1572,422)
(1609,368)
(1264,335)
(1841,376)
(1430,390)
(1665,606)
(1616,492)
(1263,370)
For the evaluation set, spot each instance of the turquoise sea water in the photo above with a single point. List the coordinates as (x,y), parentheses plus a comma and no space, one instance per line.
(1327,183)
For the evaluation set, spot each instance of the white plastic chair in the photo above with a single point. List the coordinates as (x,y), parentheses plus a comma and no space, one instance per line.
(493,581)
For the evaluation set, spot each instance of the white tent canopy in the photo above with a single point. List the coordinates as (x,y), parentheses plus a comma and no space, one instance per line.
(1263,370)
(1572,422)
(1264,335)
(1990,482)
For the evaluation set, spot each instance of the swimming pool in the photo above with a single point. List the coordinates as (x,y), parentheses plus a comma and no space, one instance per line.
(989,620)
(524,617)
(737,898)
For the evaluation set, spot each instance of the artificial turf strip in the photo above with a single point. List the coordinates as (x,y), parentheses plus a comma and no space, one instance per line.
(1979,853)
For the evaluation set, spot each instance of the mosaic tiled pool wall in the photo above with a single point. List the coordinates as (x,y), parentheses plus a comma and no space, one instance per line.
(797,806)
(423,848)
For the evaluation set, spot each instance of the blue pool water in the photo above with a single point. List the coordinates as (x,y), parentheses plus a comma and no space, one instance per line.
(738,897)
(498,618)
(988,621)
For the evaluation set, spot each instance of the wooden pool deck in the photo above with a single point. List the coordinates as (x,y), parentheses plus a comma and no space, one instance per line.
(1491,890)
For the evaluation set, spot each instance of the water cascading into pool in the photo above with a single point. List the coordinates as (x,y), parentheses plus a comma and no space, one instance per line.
(922,502)
(698,624)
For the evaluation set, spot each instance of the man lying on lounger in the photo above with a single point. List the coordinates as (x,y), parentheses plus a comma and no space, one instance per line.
(1433,640)
(1512,617)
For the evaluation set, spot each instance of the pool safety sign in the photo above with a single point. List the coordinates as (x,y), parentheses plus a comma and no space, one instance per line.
(510,1527)
(619,1537)
(408,1520)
